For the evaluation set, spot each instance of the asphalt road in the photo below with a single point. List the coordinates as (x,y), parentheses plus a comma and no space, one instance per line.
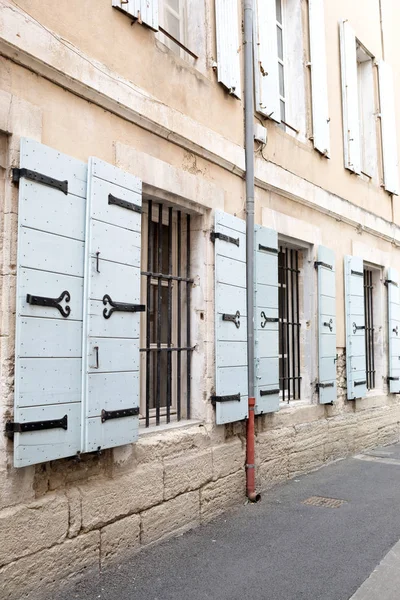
(278,549)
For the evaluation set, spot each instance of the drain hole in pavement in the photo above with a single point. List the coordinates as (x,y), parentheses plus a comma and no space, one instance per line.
(324,502)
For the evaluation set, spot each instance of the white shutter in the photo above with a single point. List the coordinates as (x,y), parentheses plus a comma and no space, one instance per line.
(266,320)
(266,60)
(231,386)
(326,325)
(228,45)
(351,122)
(388,124)
(319,77)
(50,265)
(355,327)
(394,330)
(145,11)
(112,296)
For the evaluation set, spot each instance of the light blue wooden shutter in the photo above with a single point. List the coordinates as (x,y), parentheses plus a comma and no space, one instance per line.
(112,310)
(266,320)
(394,330)
(319,77)
(326,325)
(231,389)
(145,11)
(355,327)
(388,125)
(50,265)
(228,45)
(266,60)
(350,99)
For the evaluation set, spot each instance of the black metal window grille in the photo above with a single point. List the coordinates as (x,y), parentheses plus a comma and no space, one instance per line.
(369,328)
(166,331)
(289,324)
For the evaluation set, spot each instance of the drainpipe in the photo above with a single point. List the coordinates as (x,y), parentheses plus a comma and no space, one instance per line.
(249,152)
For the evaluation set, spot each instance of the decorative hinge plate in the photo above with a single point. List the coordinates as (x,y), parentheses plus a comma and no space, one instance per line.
(392,282)
(119,307)
(225,238)
(233,318)
(393,378)
(12,427)
(358,273)
(106,415)
(356,383)
(231,398)
(113,200)
(40,178)
(52,302)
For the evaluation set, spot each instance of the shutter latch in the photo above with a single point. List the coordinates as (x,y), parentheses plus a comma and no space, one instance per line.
(120,307)
(12,427)
(40,178)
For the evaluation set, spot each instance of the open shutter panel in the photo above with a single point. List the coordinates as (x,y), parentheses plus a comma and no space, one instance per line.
(50,265)
(326,325)
(388,124)
(394,330)
(355,327)
(112,296)
(145,11)
(228,46)
(351,124)
(266,320)
(266,61)
(319,77)
(231,391)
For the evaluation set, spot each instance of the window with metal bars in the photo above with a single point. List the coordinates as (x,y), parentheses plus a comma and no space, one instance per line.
(165,328)
(369,328)
(289,323)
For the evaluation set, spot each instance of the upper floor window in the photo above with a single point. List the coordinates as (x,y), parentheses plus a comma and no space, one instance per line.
(173,23)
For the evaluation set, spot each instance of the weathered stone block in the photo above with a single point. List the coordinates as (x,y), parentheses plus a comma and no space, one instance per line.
(120,538)
(274,443)
(75,512)
(295,415)
(228,458)
(272,472)
(105,500)
(171,518)
(305,460)
(28,528)
(49,569)
(309,435)
(187,473)
(217,496)
(167,444)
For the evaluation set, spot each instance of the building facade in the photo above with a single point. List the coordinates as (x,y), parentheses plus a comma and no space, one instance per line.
(123,266)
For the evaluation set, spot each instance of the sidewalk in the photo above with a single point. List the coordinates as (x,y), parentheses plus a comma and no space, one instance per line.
(280,548)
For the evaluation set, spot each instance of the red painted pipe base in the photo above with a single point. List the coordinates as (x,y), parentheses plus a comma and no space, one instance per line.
(250,454)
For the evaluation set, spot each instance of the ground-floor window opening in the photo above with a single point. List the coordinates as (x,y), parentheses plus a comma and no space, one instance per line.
(289,323)
(369,328)
(165,328)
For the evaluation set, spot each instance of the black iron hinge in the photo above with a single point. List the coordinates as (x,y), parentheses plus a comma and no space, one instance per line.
(319,263)
(225,238)
(356,383)
(325,385)
(112,307)
(392,282)
(40,178)
(359,273)
(106,415)
(393,378)
(12,427)
(268,249)
(232,398)
(269,392)
(113,200)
